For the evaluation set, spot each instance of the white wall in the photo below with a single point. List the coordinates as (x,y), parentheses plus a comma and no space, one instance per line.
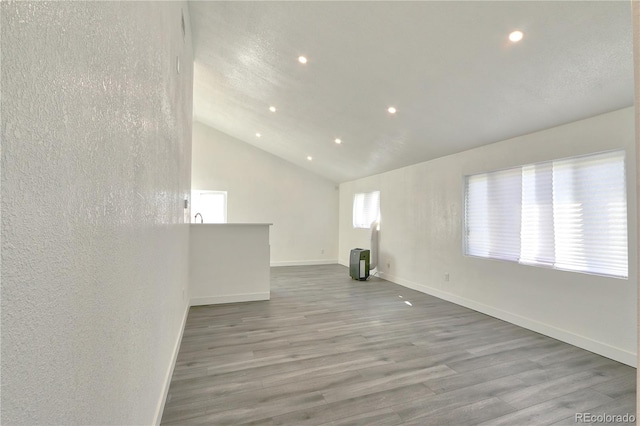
(422,210)
(636,56)
(261,187)
(96,152)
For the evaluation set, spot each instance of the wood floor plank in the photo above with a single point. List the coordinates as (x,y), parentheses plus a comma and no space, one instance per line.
(552,410)
(383,417)
(441,404)
(489,360)
(624,406)
(462,380)
(388,381)
(255,412)
(551,389)
(339,410)
(619,387)
(328,350)
(473,413)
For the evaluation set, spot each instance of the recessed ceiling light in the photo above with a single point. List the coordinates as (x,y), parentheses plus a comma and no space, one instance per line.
(302,59)
(258,135)
(338,141)
(516,36)
(272,109)
(391,110)
(309,158)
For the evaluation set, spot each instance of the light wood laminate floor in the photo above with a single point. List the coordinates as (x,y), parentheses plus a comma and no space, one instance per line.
(327,350)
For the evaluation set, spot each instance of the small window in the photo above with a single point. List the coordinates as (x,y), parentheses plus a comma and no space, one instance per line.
(568,214)
(211,205)
(366,209)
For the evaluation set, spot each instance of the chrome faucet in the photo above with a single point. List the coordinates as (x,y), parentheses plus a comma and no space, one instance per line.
(196,217)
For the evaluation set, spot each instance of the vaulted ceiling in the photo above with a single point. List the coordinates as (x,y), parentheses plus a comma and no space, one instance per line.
(448,68)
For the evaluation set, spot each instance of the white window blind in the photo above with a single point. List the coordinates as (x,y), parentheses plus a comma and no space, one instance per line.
(568,214)
(537,233)
(366,209)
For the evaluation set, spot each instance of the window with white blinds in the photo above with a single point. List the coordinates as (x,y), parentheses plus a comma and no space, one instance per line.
(366,209)
(568,214)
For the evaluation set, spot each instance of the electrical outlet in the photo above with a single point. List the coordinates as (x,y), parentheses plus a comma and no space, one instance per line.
(446,276)
(321,251)
(388,264)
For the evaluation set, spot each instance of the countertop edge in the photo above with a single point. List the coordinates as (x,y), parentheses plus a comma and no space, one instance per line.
(230,224)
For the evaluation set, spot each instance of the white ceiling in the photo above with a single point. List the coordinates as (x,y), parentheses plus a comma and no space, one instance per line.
(447,67)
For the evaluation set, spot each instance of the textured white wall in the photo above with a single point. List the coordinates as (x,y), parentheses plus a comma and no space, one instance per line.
(422,210)
(96,152)
(636,56)
(263,188)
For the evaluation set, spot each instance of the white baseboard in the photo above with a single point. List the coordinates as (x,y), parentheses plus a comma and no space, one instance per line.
(305,262)
(583,342)
(167,379)
(230,298)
